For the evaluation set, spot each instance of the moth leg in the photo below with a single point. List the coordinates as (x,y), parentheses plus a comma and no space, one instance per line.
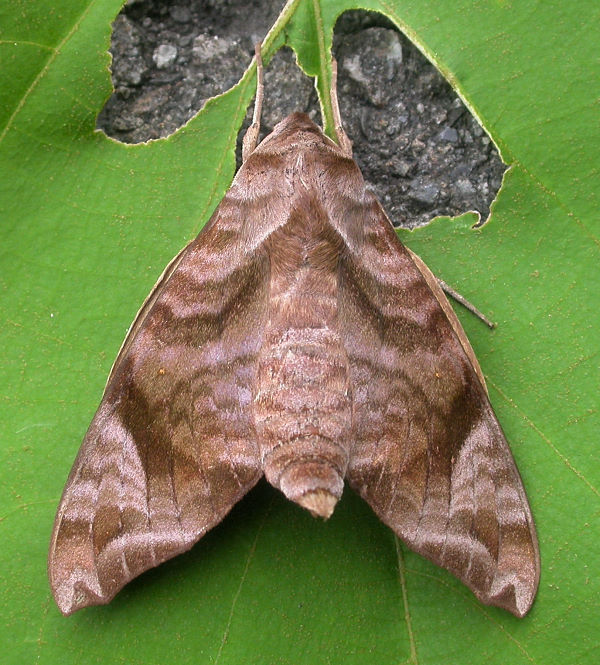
(250,140)
(342,138)
(465,303)
(435,283)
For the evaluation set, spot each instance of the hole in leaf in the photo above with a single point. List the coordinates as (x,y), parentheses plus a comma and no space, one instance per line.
(418,146)
(169,58)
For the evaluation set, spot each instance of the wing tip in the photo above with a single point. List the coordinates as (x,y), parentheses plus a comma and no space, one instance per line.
(515,594)
(71,597)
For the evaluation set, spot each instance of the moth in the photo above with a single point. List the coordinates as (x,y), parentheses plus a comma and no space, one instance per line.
(298,339)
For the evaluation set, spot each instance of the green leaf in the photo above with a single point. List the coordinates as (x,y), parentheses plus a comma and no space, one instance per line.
(87,226)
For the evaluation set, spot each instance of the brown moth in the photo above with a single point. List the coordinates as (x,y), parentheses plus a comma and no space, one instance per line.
(295,337)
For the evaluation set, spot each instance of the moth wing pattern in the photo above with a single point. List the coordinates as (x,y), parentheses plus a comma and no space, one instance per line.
(407,420)
(171,448)
(429,455)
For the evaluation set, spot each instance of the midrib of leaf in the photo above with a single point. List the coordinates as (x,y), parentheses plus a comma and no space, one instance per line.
(407,618)
(269,44)
(323,79)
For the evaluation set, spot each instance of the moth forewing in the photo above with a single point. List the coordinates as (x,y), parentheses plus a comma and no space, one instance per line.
(438,292)
(146,306)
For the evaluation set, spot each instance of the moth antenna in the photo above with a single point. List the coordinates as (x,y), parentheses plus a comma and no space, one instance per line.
(250,140)
(342,138)
(465,303)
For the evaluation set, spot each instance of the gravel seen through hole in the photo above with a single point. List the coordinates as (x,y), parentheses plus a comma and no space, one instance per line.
(419,148)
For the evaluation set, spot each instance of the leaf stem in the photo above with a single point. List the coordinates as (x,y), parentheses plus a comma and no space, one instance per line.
(323,77)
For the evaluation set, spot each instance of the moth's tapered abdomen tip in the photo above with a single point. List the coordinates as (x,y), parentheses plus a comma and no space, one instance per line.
(319,503)
(314,485)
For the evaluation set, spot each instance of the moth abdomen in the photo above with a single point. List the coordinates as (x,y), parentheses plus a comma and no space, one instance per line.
(302,413)
(302,407)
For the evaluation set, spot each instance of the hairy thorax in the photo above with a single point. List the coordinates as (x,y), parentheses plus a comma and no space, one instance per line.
(302,403)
